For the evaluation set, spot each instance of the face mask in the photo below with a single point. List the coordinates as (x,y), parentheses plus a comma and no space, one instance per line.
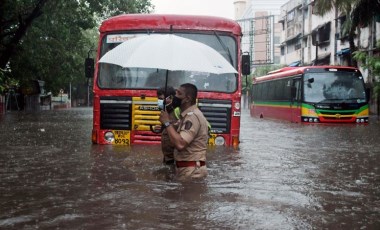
(176,102)
(160,104)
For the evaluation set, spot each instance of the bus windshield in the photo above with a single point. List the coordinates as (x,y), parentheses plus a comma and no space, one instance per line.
(115,77)
(333,87)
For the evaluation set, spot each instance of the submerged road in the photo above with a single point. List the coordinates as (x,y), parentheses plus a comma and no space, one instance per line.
(282,176)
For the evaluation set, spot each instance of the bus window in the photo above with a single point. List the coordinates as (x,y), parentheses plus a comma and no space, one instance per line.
(297,87)
(114,77)
(334,86)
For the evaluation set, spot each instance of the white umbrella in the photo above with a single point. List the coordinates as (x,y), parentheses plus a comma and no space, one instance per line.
(168,52)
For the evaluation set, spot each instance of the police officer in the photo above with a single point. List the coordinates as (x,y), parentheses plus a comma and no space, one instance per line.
(190,139)
(166,146)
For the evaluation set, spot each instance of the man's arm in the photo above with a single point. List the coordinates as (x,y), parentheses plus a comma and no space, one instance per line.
(176,139)
(178,142)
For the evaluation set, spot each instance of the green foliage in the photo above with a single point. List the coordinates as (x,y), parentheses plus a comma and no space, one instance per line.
(2,81)
(246,83)
(322,7)
(6,82)
(359,13)
(371,63)
(62,34)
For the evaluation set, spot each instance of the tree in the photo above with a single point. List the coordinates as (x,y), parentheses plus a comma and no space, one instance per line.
(371,63)
(15,18)
(6,82)
(54,47)
(57,39)
(108,8)
(359,13)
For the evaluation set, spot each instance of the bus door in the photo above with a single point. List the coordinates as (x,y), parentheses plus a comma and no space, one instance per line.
(295,103)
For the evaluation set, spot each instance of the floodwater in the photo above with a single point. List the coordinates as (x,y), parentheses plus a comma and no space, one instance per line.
(282,176)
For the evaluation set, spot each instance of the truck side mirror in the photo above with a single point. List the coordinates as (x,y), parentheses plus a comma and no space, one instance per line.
(246,64)
(89,67)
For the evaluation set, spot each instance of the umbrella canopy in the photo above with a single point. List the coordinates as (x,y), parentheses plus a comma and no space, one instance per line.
(168,52)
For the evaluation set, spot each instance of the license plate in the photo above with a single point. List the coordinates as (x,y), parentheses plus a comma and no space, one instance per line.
(122,137)
(211,139)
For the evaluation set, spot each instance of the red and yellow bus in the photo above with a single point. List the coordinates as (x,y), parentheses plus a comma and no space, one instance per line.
(125,103)
(311,94)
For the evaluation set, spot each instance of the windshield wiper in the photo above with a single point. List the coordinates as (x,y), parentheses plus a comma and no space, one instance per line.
(224,47)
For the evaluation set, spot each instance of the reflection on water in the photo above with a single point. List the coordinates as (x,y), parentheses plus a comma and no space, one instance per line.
(282,176)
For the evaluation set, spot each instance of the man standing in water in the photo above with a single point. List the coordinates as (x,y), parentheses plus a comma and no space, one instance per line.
(190,139)
(166,146)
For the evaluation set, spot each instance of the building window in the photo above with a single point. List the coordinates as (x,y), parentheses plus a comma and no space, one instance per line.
(321,34)
(324,33)
(341,34)
(298,46)
(291,15)
(291,48)
(276,39)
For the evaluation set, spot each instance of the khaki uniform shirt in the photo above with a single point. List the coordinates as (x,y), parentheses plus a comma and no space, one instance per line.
(193,128)
(166,145)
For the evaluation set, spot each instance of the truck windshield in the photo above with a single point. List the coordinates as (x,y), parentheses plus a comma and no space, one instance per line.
(115,77)
(333,87)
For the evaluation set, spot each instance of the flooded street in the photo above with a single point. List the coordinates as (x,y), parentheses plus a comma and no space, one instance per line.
(282,176)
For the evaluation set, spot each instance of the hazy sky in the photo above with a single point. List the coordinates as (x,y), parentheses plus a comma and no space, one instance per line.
(222,8)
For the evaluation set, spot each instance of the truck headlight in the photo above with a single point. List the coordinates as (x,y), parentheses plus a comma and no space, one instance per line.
(109,137)
(219,140)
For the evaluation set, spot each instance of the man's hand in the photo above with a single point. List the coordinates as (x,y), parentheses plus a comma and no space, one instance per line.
(175,138)
(164,117)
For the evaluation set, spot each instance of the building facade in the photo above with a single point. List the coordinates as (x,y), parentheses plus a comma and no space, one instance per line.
(310,39)
(261,30)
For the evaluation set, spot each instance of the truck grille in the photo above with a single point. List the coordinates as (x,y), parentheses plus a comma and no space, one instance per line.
(115,113)
(217,113)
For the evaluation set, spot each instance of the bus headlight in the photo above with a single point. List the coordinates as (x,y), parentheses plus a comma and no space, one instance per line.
(219,140)
(361,120)
(311,119)
(109,137)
